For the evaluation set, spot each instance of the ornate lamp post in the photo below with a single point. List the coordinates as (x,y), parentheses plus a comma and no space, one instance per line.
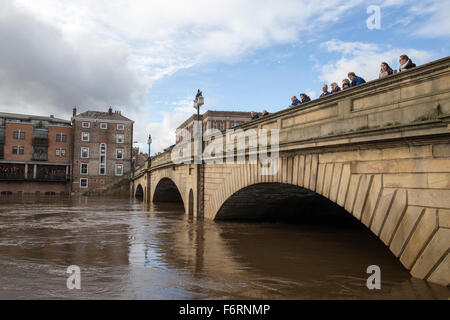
(149,142)
(198,102)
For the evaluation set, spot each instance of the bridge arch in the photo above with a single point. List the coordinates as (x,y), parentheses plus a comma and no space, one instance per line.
(409,230)
(167,191)
(139,193)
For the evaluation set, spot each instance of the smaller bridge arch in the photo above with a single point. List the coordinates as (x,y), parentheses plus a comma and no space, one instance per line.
(139,193)
(167,191)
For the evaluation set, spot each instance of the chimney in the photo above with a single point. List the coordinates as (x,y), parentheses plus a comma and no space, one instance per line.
(110,111)
(74,111)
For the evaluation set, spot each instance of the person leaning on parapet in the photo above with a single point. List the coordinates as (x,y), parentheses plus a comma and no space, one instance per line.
(405,63)
(335,88)
(264,113)
(295,102)
(385,70)
(304,98)
(345,84)
(355,80)
(325,91)
(254,115)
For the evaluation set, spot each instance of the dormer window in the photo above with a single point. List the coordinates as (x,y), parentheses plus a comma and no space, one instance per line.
(86,124)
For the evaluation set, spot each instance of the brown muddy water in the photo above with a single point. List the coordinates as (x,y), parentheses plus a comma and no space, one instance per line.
(127,251)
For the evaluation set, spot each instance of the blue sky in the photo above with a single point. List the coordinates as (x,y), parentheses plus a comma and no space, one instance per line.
(148,58)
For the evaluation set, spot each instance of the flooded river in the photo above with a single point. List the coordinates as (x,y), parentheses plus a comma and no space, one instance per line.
(127,251)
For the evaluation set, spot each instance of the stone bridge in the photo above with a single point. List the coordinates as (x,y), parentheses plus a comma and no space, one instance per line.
(380,151)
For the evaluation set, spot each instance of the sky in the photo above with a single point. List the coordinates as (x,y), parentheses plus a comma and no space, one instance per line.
(147,58)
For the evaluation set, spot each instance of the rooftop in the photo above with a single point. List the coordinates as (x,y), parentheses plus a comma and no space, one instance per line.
(19,116)
(103,115)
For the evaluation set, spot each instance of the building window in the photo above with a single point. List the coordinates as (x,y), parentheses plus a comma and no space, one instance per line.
(103,125)
(119,153)
(85,152)
(83,182)
(119,169)
(235,124)
(61,137)
(19,135)
(86,125)
(214,125)
(85,136)
(222,126)
(102,162)
(120,127)
(60,152)
(83,168)
(119,138)
(18,150)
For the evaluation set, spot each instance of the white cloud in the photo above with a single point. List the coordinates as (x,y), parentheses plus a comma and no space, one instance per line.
(364,59)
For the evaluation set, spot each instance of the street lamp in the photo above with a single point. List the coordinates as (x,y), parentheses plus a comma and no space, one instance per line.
(149,142)
(198,102)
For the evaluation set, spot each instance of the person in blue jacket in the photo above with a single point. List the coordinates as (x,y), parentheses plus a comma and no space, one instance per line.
(355,80)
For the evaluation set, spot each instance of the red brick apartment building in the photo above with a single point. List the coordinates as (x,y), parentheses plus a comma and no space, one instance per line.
(220,120)
(35,154)
(102,148)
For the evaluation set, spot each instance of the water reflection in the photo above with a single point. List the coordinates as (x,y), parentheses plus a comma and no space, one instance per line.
(126,250)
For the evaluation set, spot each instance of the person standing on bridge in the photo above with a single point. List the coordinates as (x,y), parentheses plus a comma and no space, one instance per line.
(295,102)
(304,98)
(355,80)
(405,63)
(254,115)
(335,88)
(325,91)
(385,70)
(345,84)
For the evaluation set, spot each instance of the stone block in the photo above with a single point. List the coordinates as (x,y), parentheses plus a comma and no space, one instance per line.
(441,150)
(335,181)
(441,274)
(405,228)
(407,152)
(433,254)
(393,218)
(364,185)
(405,180)
(434,198)
(343,186)
(320,178)
(307,171)
(372,200)
(444,218)
(314,167)
(328,180)
(402,166)
(424,230)
(351,194)
(439,180)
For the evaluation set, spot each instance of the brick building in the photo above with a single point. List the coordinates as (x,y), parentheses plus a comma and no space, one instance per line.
(139,158)
(220,120)
(102,148)
(35,154)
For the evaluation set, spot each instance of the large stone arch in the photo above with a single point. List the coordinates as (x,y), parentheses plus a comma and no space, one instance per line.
(167,191)
(413,233)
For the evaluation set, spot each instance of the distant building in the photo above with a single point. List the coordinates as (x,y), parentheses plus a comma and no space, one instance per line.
(35,154)
(139,158)
(220,120)
(102,148)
